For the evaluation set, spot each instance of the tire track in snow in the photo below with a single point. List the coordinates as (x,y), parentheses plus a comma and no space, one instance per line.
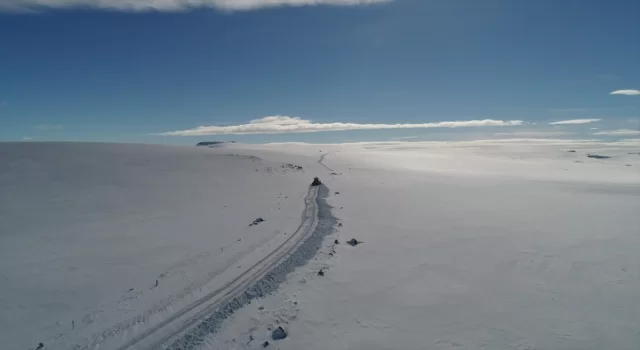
(331,171)
(275,275)
(188,317)
(321,161)
(187,328)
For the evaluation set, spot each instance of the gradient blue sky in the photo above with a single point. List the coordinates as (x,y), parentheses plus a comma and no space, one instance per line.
(90,74)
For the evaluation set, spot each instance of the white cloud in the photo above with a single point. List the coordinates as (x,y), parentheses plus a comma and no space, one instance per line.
(534,133)
(27,138)
(170,5)
(626,92)
(48,126)
(283,124)
(575,121)
(594,128)
(620,132)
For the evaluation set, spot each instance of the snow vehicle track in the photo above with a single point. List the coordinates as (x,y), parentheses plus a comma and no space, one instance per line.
(321,161)
(187,328)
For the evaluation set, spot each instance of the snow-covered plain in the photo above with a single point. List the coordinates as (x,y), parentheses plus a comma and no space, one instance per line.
(480,245)
(509,244)
(100,242)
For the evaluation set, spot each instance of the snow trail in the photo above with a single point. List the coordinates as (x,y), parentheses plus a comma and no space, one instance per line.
(272,275)
(187,328)
(321,161)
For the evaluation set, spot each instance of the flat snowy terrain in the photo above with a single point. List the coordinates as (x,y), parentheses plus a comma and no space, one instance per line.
(480,245)
(99,242)
(477,245)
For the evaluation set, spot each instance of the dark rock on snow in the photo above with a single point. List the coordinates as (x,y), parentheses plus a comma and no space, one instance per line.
(316,182)
(278,334)
(321,273)
(571,151)
(265,344)
(336,241)
(353,242)
(291,166)
(257,221)
(595,156)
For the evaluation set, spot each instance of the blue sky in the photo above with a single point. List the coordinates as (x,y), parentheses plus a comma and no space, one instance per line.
(134,70)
